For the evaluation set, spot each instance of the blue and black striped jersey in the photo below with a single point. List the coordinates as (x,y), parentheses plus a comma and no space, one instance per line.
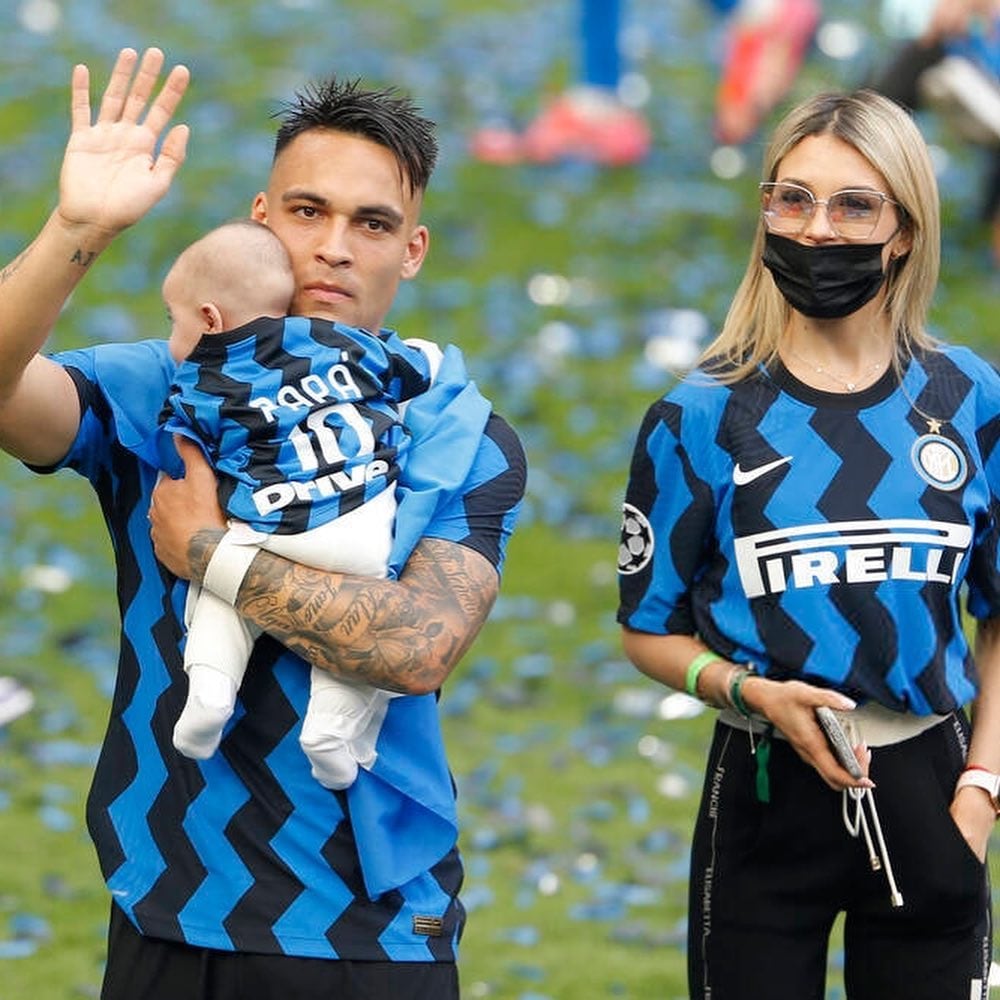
(823,536)
(246,850)
(299,417)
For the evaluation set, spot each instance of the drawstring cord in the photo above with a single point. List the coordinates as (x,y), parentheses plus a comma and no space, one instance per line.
(859,825)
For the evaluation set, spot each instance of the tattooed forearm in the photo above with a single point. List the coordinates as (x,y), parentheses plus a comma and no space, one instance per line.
(200,550)
(83,257)
(11,269)
(402,635)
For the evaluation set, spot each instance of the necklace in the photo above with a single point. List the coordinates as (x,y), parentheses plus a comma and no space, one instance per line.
(851,385)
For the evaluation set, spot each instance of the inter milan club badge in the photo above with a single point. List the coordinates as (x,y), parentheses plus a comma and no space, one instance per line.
(636,546)
(939,461)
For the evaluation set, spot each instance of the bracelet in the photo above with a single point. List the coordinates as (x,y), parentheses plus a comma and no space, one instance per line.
(976,776)
(695,667)
(228,566)
(736,691)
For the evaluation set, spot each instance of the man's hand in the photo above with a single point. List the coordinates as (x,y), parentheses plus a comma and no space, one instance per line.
(184,510)
(112,173)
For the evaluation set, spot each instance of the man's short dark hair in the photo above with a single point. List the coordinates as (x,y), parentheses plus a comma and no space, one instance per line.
(384,116)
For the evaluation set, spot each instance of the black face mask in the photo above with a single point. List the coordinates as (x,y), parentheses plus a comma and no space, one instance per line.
(828,281)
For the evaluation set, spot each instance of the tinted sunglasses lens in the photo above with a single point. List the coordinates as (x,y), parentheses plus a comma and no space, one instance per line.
(787,208)
(854,213)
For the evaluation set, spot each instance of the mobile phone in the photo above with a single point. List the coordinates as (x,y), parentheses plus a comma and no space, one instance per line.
(838,740)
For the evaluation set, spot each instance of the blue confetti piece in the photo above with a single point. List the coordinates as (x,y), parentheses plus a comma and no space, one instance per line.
(602,910)
(533,973)
(54,818)
(477,897)
(30,925)
(524,937)
(533,666)
(64,752)
(19,948)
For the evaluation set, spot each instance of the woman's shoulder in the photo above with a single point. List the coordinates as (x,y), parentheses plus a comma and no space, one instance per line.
(956,362)
(958,358)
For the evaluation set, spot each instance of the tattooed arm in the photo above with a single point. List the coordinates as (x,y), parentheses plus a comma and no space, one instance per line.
(39,407)
(403,635)
(111,176)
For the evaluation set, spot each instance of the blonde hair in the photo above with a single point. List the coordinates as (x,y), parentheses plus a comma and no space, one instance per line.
(886,136)
(243,268)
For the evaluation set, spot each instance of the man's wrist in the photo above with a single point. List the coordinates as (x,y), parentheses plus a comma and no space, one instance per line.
(94,237)
(228,567)
(200,550)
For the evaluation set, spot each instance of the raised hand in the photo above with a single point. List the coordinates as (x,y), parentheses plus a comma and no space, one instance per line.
(112,173)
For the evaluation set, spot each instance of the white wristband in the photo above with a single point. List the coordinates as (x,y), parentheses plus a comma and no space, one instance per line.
(228,566)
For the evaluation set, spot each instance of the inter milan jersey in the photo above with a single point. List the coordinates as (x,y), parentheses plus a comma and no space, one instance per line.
(823,536)
(244,851)
(298,416)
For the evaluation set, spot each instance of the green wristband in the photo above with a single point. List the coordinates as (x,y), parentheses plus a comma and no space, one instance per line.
(695,667)
(736,693)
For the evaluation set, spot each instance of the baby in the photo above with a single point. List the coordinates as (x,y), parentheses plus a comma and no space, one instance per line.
(301,420)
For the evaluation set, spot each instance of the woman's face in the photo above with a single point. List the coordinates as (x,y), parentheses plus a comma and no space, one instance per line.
(824,165)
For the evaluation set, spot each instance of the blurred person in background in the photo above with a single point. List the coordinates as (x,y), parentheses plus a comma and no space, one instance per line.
(949,60)
(803,513)
(765,43)
(241,874)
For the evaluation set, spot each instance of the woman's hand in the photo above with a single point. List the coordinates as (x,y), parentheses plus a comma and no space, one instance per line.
(975,818)
(791,707)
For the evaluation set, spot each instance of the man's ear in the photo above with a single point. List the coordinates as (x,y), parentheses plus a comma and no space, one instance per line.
(258,210)
(209,312)
(416,251)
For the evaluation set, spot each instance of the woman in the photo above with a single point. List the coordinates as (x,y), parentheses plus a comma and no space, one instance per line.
(802,513)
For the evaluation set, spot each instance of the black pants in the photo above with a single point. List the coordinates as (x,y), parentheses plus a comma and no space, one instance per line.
(768,879)
(143,968)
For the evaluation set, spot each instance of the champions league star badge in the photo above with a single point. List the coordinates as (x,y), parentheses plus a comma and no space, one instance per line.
(636,546)
(939,461)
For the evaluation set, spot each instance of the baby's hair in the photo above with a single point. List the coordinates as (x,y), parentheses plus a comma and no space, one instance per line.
(244,267)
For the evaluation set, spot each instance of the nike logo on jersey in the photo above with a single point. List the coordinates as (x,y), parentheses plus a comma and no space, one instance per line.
(741,477)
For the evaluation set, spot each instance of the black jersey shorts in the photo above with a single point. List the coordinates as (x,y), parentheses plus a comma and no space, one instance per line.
(147,968)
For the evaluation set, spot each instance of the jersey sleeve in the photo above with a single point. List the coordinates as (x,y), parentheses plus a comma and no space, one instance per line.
(482,514)
(667,520)
(121,388)
(983,577)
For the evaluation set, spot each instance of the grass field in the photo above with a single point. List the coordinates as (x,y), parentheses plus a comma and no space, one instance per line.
(578,779)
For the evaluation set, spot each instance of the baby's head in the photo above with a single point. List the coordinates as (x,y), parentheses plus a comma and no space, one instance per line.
(230,276)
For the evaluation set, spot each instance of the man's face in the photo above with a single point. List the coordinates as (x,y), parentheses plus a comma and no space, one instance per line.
(343,210)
